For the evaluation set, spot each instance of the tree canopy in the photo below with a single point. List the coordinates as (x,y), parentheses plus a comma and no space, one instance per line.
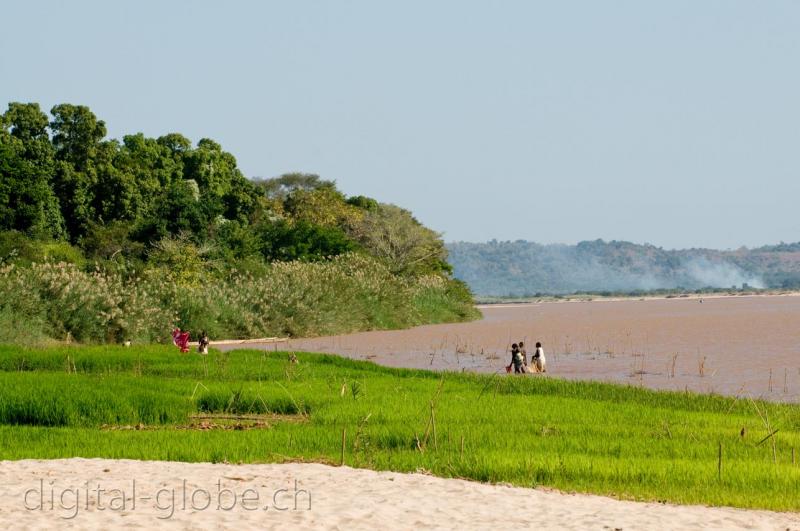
(138,199)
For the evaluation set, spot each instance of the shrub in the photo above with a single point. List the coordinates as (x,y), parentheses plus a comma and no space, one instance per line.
(348,293)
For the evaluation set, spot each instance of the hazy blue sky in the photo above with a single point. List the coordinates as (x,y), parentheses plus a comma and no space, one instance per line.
(673,122)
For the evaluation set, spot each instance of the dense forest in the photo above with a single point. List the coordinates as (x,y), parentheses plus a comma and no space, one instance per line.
(523,268)
(169,212)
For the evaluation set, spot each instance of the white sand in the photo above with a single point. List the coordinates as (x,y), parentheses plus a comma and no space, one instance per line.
(342,498)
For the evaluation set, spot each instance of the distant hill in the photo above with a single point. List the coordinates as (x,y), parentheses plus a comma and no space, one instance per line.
(522,268)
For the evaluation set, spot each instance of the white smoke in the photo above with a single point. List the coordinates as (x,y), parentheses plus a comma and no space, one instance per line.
(720,274)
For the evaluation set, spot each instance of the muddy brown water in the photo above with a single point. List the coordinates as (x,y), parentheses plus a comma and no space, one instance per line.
(729,345)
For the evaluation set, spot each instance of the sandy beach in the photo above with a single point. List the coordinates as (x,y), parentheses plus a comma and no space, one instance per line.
(102,493)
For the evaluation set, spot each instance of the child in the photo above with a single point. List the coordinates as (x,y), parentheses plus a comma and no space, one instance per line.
(524,356)
(202,345)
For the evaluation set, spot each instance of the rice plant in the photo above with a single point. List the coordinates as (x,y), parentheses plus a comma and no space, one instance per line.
(591,437)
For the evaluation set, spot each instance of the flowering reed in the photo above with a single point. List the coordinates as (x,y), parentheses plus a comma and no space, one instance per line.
(347,293)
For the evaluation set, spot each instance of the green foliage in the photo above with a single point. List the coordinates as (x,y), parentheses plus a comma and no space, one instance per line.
(348,293)
(395,236)
(112,241)
(180,261)
(27,202)
(536,431)
(288,183)
(77,134)
(144,211)
(18,248)
(118,199)
(225,400)
(363,202)
(21,329)
(444,301)
(302,240)
(324,206)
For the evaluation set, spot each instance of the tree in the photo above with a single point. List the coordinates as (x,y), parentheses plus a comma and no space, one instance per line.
(224,191)
(283,241)
(111,240)
(150,165)
(177,211)
(363,202)
(27,201)
(77,135)
(182,261)
(281,187)
(212,169)
(323,206)
(395,236)
(28,123)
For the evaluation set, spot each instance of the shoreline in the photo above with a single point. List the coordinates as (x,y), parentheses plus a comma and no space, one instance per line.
(730,345)
(510,303)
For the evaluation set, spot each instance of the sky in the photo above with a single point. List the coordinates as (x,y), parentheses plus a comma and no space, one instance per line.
(675,123)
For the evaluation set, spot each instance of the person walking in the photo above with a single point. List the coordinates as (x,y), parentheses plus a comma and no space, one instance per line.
(538,359)
(516,359)
(524,356)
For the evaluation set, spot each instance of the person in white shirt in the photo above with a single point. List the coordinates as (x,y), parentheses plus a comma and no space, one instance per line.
(538,359)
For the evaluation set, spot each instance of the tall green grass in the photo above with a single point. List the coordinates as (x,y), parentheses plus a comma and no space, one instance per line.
(582,436)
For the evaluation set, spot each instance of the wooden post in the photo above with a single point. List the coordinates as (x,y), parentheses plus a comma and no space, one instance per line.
(433,421)
(719,462)
(344,438)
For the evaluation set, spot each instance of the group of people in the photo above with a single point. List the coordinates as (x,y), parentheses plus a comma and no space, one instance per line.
(519,359)
(519,356)
(181,339)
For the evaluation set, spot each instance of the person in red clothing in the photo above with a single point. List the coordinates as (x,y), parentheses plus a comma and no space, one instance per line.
(181,340)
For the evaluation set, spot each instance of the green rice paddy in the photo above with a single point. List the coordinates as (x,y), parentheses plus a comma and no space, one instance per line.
(256,406)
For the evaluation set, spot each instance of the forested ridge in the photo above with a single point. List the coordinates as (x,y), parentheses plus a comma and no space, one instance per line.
(522,268)
(166,210)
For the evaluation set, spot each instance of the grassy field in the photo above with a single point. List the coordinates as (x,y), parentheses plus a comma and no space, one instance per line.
(255,406)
